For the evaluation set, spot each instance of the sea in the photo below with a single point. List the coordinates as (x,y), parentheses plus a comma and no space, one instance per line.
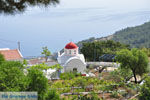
(56,26)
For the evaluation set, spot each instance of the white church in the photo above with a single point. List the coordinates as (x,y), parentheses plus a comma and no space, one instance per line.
(71,60)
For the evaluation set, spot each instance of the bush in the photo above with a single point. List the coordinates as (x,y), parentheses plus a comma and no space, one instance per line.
(93,96)
(69,75)
(115,94)
(37,82)
(12,77)
(52,95)
(145,90)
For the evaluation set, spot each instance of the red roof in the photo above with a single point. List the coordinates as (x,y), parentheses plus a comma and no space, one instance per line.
(71,45)
(11,54)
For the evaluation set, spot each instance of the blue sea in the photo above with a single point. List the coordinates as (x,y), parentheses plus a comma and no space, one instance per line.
(54,27)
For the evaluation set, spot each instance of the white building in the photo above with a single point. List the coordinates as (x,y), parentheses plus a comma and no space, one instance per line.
(71,60)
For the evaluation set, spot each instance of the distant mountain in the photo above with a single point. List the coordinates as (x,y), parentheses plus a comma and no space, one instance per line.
(138,36)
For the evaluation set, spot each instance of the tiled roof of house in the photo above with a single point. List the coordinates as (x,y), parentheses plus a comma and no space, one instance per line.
(11,54)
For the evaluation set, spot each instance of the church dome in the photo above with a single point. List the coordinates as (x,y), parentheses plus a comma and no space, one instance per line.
(71,45)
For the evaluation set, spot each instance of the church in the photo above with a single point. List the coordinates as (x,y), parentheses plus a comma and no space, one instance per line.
(71,60)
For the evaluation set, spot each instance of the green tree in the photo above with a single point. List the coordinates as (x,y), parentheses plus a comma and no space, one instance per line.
(46,53)
(136,60)
(18,6)
(37,82)
(93,50)
(2,59)
(145,90)
(12,77)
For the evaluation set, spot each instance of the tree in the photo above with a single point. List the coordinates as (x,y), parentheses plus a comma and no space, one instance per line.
(18,6)
(93,50)
(46,53)
(145,90)
(2,59)
(12,77)
(37,82)
(135,60)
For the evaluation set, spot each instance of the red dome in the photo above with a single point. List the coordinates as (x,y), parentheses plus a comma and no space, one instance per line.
(71,45)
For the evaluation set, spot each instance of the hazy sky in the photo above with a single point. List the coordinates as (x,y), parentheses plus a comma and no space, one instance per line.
(71,20)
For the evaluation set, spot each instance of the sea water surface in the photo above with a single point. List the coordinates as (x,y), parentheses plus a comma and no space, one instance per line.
(71,20)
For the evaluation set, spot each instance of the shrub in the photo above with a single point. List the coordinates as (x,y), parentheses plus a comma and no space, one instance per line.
(145,90)
(69,75)
(115,94)
(52,95)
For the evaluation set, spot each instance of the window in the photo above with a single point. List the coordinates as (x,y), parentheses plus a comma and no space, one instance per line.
(74,51)
(69,51)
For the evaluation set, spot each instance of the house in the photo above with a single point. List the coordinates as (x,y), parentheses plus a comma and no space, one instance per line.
(11,54)
(71,60)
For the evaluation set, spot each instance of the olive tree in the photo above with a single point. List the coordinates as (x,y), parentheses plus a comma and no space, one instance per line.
(135,60)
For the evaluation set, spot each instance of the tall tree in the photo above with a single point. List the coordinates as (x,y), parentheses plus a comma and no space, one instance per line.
(18,6)
(46,53)
(136,60)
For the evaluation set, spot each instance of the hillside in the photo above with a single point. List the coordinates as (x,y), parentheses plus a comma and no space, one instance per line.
(134,36)
(138,36)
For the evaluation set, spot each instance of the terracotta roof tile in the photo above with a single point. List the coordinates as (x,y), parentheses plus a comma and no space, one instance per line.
(11,54)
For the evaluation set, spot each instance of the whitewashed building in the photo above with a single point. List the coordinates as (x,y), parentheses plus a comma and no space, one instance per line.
(71,60)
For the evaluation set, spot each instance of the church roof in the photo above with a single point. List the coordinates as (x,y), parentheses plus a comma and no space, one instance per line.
(71,45)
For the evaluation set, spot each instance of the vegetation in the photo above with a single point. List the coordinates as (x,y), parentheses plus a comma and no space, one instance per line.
(18,6)
(93,50)
(135,60)
(69,75)
(145,90)
(37,82)
(52,95)
(121,75)
(72,85)
(46,53)
(146,50)
(12,77)
(135,36)
(1,59)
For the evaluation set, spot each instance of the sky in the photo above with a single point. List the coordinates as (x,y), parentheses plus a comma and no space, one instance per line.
(71,20)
